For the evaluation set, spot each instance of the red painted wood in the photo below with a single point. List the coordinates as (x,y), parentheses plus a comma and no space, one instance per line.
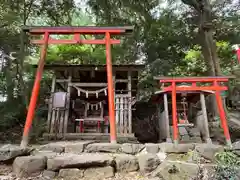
(111,103)
(200,88)
(74,41)
(238,55)
(182,80)
(35,92)
(76,31)
(174,113)
(216,86)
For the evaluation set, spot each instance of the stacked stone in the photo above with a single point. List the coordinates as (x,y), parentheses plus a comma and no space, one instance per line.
(90,160)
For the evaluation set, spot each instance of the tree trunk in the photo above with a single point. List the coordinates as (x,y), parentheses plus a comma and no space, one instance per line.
(9,81)
(209,48)
(207,42)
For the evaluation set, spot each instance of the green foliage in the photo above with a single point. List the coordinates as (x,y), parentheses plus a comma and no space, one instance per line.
(228,165)
(164,38)
(194,65)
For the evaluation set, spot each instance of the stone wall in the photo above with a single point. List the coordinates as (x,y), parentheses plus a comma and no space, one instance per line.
(88,159)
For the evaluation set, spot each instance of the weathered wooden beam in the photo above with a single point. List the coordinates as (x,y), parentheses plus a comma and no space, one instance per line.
(53,119)
(61,120)
(204,111)
(66,118)
(130,103)
(89,84)
(50,101)
(62,80)
(121,80)
(133,90)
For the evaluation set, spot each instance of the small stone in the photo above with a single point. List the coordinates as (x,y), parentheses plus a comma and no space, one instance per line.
(9,152)
(103,147)
(148,162)
(176,170)
(236,145)
(172,148)
(126,163)
(208,151)
(131,148)
(29,165)
(162,156)
(49,174)
(71,173)
(83,160)
(152,148)
(77,147)
(100,173)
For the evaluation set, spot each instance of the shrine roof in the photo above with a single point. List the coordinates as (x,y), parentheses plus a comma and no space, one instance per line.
(134,67)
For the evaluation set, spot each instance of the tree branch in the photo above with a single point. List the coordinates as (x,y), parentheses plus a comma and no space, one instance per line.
(27,11)
(196,4)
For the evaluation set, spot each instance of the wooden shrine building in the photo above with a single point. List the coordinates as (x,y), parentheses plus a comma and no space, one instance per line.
(79,99)
(190,108)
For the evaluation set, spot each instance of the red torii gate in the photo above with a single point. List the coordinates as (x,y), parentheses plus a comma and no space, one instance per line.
(237,50)
(76,32)
(194,86)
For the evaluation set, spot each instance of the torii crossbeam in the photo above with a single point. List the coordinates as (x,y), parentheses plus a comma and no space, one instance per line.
(46,32)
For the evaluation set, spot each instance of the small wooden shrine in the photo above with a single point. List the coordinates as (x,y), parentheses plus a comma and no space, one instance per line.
(79,99)
(185,89)
(190,108)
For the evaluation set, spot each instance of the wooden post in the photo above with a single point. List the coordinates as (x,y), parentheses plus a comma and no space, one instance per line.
(50,101)
(160,119)
(117,106)
(167,117)
(174,113)
(222,115)
(61,119)
(53,119)
(67,105)
(111,106)
(204,111)
(116,100)
(35,92)
(121,107)
(129,102)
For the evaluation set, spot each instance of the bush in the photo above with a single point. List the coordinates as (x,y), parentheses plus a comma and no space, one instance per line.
(228,165)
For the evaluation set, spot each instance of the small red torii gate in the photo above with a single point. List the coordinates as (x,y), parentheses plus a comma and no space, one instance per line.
(46,32)
(215,86)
